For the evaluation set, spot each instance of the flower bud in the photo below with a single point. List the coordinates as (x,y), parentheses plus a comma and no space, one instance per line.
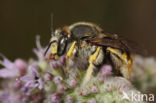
(57,79)
(106,70)
(73,83)
(94,89)
(48,76)
(21,65)
(92,100)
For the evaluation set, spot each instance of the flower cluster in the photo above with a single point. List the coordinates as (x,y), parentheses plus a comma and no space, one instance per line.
(144,75)
(42,81)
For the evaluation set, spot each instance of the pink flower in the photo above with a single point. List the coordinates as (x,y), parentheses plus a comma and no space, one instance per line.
(92,100)
(8,96)
(73,83)
(12,69)
(39,51)
(106,70)
(57,79)
(94,89)
(48,76)
(56,97)
(32,80)
(21,65)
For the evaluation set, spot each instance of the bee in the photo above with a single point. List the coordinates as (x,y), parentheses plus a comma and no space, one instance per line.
(89,42)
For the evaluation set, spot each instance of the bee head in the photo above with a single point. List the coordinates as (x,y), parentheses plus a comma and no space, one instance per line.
(57,45)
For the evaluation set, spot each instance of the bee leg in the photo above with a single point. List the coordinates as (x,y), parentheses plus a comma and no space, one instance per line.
(121,61)
(92,59)
(70,51)
(69,54)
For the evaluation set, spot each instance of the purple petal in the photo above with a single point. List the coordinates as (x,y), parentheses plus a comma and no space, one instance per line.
(38,44)
(30,84)
(8,64)
(26,90)
(8,73)
(27,78)
(12,98)
(33,71)
(40,50)
(40,84)
(8,97)
(38,53)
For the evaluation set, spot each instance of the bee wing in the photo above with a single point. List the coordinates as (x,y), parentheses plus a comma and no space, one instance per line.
(133,46)
(107,42)
(116,41)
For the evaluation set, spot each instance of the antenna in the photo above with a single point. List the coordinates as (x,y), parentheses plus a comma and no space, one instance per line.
(48,47)
(52,23)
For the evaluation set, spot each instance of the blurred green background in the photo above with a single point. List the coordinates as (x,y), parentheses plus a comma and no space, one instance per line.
(22,20)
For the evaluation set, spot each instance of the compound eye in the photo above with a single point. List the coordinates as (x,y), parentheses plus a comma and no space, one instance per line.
(62,45)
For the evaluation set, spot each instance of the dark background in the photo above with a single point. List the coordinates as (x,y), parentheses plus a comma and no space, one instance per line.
(22,20)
